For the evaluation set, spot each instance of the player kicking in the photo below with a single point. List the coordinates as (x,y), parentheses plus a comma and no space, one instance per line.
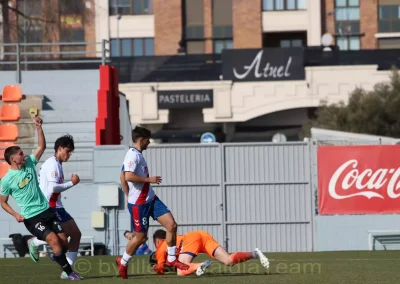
(143,203)
(21,183)
(193,243)
(52,184)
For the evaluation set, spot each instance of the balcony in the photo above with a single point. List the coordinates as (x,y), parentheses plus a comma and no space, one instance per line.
(202,67)
(137,26)
(272,21)
(175,68)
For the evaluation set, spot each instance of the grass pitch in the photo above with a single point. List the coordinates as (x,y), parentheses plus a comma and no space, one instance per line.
(294,268)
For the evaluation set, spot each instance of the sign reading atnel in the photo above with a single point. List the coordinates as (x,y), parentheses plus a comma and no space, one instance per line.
(269,64)
(185,99)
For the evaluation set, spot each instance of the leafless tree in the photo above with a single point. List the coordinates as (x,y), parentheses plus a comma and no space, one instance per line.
(36,21)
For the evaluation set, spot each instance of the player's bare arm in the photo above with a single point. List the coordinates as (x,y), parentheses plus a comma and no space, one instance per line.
(9,210)
(125,187)
(41,140)
(129,176)
(124,184)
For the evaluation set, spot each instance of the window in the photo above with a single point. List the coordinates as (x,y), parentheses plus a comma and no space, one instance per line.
(389,18)
(389,43)
(194,19)
(72,27)
(284,39)
(219,45)
(348,42)
(291,43)
(347,18)
(193,25)
(128,47)
(31,8)
(282,5)
(130,7)
(222,19)
(195,47)
(30,31)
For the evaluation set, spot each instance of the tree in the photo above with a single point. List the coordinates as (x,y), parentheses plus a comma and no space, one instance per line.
(37,21)
(373,112)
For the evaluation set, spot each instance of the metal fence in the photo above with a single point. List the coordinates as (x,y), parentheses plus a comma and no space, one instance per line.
(20,57)
(245,194)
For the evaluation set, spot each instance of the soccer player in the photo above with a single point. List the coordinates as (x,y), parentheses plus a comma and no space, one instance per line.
(51,180)
(143,249)
(143,203)
(193,243)
(21,183)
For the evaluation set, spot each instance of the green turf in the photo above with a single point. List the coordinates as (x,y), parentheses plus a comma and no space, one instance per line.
(294,268)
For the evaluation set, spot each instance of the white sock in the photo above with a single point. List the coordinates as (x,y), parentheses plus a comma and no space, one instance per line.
(125,259)
(71,257)
(38,242)
(171,253)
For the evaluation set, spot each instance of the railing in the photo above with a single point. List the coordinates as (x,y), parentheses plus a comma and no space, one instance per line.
(192,67)
(384,58)
(16,56)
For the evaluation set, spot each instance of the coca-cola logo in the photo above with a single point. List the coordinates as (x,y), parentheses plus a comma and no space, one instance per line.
(368,181)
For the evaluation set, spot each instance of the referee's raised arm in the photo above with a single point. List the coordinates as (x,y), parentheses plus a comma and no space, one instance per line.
(41,140)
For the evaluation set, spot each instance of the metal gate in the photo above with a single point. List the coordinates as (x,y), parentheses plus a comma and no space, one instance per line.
(244,194)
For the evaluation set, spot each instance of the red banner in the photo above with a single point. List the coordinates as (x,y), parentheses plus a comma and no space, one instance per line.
(359,179)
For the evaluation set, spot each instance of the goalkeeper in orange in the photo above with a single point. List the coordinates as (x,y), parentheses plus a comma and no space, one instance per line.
(190,245)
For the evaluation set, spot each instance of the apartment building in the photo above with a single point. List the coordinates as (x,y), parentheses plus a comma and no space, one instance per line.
(166,27)
(363,24)
(31,22)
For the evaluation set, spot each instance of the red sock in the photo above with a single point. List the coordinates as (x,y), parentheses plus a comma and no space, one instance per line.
(239,257)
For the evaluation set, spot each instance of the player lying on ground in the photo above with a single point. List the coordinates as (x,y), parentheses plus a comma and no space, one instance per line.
(22,184)
(193,243)
(52,183)
(143,203)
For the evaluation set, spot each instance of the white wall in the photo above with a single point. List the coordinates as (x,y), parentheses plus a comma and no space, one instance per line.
(302,20)
(139,26)
(239,102)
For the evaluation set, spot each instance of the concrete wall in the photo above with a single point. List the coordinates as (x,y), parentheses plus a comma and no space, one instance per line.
(350,232)
(63,90)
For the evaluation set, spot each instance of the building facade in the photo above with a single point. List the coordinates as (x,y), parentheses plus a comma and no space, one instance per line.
(166,27)
(161,27)
(359,24)
(60,24)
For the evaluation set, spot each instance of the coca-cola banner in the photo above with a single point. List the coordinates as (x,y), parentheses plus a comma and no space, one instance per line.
(359,179)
